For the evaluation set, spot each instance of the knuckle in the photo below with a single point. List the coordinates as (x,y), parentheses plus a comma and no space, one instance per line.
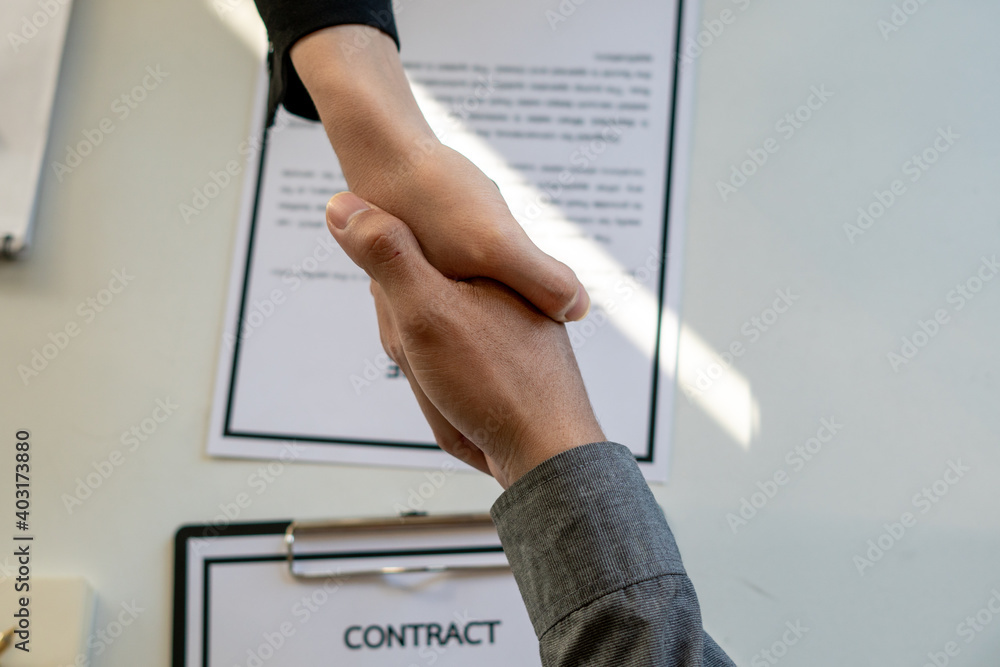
(428,324)
(392,345)
(562,282)
(487,248)
(395,351)
(493,247)
(555,282)
(382,243)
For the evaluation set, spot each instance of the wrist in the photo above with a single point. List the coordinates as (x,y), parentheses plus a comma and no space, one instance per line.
(527,455)
(356,80)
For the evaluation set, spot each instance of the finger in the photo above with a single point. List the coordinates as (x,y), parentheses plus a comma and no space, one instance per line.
(546,282)
(449,438)
(387,331)
(382,245)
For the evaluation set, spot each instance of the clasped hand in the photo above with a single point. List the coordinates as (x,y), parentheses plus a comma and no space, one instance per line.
(496,379)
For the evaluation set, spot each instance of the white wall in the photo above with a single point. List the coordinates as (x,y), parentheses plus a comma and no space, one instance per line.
(825,357)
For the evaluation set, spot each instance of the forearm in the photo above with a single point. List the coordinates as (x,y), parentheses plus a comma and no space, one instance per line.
(598,567)
(356,80)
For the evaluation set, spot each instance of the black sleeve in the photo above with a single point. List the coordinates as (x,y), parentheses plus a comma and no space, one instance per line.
(288,21)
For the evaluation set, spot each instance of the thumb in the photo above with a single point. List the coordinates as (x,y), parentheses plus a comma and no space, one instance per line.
(379,243)
(546,282)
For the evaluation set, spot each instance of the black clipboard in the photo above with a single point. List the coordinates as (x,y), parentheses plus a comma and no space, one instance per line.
(421,546)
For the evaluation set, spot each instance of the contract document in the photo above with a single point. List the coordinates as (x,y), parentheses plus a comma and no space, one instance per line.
(243,596)
(580,114)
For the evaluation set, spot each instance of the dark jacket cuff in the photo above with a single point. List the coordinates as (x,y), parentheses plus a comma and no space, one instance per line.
(288,21)
(580,526)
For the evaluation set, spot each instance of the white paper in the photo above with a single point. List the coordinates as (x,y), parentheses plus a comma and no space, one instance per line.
(572,114)
(259,614)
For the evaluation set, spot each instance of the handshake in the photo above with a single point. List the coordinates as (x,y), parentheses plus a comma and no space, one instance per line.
(468,307)
(494,375)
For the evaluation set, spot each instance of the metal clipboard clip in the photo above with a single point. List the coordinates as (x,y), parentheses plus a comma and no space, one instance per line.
(406,522)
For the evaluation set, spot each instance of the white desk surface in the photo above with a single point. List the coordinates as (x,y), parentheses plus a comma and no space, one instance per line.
(825,357)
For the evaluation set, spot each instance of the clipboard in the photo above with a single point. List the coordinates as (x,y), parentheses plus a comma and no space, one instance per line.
(413,590)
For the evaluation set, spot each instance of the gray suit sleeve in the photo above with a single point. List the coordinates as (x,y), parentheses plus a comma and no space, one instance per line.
(598,567)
